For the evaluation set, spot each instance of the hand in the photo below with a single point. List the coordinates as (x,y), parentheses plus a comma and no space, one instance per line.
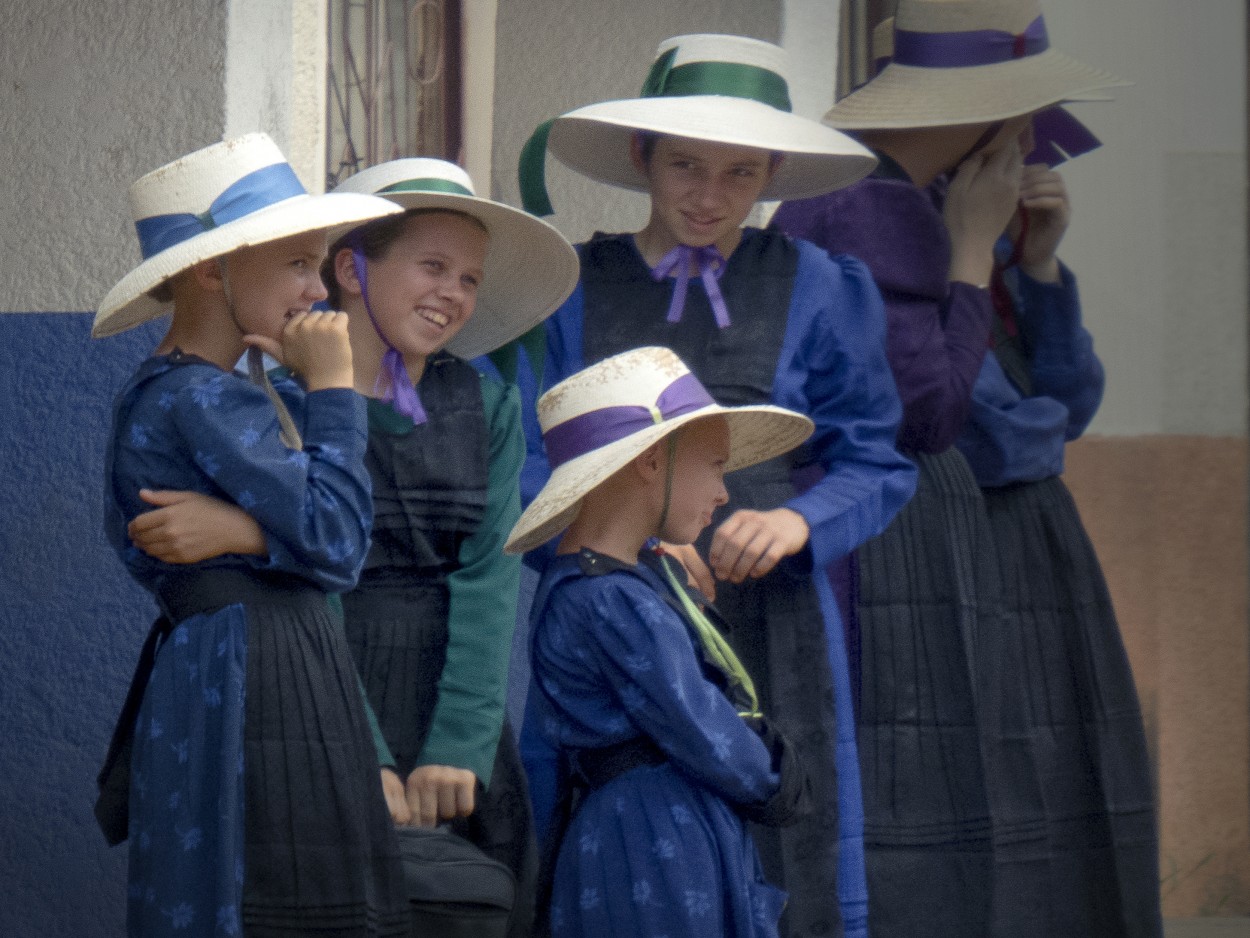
(314,345)
(697,573)
(751,543)
(188,527)
(439,793)
(983,196)
(396,802)
(1044,198)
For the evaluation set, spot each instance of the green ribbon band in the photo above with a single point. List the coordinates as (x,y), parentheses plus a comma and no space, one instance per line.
(716,78)
(432,184)
(532,174)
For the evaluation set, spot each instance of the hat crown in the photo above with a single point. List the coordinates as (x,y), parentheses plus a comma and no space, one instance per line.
(635,378)
(190,184)
(719,47)
(422,172)
(956,16)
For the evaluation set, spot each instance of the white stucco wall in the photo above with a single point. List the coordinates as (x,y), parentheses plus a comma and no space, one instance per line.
(96,93)
(555,55)
(1158,238)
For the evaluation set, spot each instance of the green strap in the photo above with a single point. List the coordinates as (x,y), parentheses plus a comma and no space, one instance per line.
(432,184)
(714,643)
(531,173)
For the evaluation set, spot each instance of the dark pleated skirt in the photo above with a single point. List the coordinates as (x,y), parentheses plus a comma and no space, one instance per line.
(399,640)
(320,852)
(1083,718)
(952,812)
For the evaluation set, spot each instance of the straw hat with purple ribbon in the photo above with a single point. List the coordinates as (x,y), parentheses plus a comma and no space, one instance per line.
(967,62)
(724,89)
(599,419)
(230,195)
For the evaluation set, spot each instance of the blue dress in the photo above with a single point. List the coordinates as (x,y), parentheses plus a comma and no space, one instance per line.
(660,849)
(255,799)
(808,334)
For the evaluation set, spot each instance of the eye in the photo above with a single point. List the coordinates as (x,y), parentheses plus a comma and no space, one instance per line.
(745,172)
(434,265)
(300,263)
(469,281)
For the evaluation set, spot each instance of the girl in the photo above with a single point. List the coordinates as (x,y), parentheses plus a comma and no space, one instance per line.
(652,713)
(254,805)
(768,320)
(1029,728)
(431,620)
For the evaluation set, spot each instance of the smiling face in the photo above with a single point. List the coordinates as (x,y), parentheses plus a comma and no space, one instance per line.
(270,283)
(423,286)
(698,487)
(701,192)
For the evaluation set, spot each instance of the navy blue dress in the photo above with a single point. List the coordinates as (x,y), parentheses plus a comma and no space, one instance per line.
(255,801)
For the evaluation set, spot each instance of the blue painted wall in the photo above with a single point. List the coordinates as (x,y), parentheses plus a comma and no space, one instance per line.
(71,622)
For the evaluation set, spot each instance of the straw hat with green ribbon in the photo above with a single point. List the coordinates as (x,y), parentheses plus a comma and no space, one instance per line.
(530,267)
(724,89)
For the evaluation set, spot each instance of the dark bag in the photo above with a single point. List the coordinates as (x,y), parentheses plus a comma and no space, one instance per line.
(454,889)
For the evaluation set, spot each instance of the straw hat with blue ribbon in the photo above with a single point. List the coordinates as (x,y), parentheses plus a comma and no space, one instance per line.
(596,421)
(725,89)
(530,267)
(230,195)
(967,62)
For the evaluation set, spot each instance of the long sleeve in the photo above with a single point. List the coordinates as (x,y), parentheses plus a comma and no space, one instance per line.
(468,718)
(937,331)
(833,368)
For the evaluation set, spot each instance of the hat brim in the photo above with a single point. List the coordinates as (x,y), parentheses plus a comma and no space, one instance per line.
(595,141)
(530,270)
(127,305)
(756,433)
(905,96)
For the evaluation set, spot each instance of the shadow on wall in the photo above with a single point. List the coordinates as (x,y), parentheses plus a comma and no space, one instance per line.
(71,623)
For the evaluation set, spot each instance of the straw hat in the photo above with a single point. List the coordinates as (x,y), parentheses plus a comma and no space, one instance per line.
(599,419)
(230,195)
(725,89)
(967,62)
(530,267)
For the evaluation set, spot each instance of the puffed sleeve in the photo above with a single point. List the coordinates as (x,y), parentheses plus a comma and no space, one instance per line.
(468,717)
(314,505)
(833,368)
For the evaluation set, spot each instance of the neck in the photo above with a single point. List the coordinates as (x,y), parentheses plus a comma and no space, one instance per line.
(202,325)
(368,348)
(656,240)
(610,522)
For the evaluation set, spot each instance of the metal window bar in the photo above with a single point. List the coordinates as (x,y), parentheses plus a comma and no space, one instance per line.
(394,83)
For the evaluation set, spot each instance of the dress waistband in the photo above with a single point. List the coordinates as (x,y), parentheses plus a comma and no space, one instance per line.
(596,767)
(185,593)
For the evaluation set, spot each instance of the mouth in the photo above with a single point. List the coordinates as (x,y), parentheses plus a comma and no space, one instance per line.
(434,317)
(702,221)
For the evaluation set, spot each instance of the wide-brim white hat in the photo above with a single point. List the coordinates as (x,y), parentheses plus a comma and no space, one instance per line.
(233,194)
(968,62)
(599,419)
(718,88)
(530,267)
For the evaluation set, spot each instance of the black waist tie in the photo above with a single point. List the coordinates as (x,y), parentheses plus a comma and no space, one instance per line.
(181,595)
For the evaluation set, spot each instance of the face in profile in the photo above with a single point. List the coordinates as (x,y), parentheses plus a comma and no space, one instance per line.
(270,283)
(423,289)
(701,192)
(698,489)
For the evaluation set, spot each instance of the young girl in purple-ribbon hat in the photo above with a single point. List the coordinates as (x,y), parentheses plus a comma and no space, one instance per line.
(759,317)
(430,621)
(1007,790)
(668,753)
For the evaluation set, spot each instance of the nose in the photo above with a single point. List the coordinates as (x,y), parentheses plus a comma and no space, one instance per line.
(317,289)
(722,494)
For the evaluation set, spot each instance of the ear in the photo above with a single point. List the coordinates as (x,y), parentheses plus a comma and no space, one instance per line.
(635,153)
(208,277)
(345,272)
(649,464)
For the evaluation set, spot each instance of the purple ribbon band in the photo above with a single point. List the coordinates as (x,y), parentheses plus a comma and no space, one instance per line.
(711,264)
(398,391)
(251,193)
(965,49)
(598,428)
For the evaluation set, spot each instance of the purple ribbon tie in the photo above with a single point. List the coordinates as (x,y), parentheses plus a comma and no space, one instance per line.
(597,428)
(1058,136)
(398,391)
(711,264)
(966,49)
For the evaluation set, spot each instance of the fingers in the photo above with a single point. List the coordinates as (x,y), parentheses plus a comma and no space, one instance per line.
(162,497)
(698,572)
(752,543)
(439,793)
(270,347)
(396,803)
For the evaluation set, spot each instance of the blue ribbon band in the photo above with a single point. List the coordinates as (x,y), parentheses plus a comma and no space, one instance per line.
(251,193)
(970,48)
